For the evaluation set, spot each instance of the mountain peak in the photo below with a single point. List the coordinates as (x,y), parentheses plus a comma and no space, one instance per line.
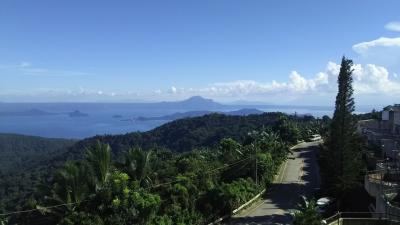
(198,99)
(199,103)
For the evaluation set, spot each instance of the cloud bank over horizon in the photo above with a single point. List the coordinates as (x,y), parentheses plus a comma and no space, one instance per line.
(369,80)
(376,81)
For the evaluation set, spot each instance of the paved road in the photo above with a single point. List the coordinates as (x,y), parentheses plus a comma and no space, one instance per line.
(299,176)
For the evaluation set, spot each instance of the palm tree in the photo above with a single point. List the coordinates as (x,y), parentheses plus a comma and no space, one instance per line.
(69,190)
(71,183)
(99,160)
(307,214)
(137,165)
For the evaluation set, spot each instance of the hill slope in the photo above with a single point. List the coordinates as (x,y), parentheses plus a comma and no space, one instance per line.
(23,162)
(19,150)
(182,135)
(178,136)
(189,114)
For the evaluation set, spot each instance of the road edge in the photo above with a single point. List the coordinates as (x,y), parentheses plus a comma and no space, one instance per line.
(279,174)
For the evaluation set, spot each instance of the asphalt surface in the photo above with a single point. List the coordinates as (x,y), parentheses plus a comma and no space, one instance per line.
(298,176)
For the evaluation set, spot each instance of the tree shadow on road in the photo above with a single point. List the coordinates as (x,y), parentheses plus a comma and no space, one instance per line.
(262,220)
(279,201)
(284,196)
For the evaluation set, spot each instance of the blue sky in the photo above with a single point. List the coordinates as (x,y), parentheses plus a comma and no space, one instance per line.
(270,51)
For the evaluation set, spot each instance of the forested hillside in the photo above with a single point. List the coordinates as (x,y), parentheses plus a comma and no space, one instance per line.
(19,150)
(177,153)
(206,131)
(158,186)
(23,162)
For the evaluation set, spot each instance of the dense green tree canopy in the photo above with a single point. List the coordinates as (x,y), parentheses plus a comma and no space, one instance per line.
(139,178)
(343,145)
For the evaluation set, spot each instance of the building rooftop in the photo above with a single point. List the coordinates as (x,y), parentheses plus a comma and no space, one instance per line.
(395,107)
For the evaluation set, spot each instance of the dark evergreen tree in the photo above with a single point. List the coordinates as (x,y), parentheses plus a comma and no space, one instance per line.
(343,146)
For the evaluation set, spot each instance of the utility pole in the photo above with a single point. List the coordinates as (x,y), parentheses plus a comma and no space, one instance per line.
(255,159)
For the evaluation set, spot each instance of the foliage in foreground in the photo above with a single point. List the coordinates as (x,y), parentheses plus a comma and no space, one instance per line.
(158,186)
(30,161)
(307,214)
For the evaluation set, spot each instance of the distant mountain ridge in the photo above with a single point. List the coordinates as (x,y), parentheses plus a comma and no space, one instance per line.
(189,114)
(195,102)
(38,109)
(31,112)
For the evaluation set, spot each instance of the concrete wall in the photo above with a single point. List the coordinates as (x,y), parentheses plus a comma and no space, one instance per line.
(396,119)
(372,184)
(385,115)
(363,221)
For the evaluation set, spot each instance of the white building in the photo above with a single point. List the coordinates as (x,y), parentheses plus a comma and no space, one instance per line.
(391,114)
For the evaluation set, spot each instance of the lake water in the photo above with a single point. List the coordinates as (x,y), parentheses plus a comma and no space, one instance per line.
(100,119)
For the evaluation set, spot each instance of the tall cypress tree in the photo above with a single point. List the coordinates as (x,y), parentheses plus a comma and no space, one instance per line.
(343,153)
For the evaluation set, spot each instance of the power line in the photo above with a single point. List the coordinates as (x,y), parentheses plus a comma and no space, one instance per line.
(151,187)
(222,167)
(209,171)
(42,208)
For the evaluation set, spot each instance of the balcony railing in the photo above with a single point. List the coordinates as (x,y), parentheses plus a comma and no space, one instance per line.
(361,218)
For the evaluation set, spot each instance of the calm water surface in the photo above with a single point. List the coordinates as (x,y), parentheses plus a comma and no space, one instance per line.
(100,119)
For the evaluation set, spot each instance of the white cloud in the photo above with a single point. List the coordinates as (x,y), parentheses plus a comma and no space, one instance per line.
(373,79)
(393,26)
(364,47)
(26,68)
(368,79)
(383,51)
(173,90)
(297,84)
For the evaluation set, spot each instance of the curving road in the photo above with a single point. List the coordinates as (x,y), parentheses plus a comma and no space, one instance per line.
(298,176)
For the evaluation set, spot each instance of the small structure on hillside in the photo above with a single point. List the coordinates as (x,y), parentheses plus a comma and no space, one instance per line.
(391,114)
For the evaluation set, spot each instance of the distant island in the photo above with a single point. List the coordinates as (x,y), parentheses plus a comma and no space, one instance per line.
(117,116)
(77,113)
(31,112)
(189,114)
(37,112)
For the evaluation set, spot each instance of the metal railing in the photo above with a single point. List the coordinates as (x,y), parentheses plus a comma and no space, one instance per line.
(362,218)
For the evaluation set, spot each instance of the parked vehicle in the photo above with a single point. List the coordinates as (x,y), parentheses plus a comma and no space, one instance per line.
(324,204)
